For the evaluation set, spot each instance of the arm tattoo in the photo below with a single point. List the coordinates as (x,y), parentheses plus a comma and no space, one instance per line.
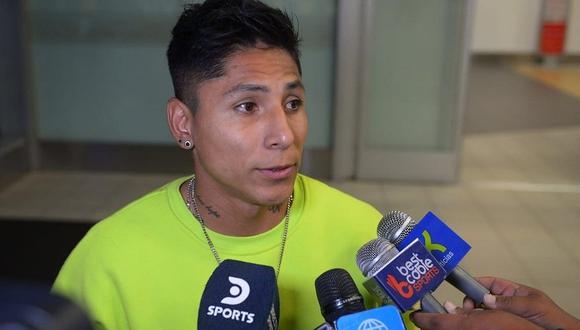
(209,208)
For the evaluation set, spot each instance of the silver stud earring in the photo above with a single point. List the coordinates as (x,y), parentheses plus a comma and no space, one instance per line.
(186,145)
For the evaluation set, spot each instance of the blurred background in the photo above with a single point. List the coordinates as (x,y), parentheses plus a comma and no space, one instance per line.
(469,108)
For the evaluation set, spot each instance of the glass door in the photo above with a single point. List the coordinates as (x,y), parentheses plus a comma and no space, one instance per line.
(14,158)
(412,67)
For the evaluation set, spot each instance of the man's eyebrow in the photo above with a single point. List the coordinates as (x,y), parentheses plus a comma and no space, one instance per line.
(261,88)
(294,84)
(247,88)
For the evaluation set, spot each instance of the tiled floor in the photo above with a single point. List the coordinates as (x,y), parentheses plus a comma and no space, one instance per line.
(565,77)
(500,100)
(517,201)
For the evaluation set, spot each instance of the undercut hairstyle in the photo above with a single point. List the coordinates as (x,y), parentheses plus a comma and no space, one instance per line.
(207,34)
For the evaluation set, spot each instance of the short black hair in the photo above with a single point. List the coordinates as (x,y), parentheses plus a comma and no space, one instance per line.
(207,34)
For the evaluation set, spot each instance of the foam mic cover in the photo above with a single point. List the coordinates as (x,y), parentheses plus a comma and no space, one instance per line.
(343,307)
(240,295)
(337,294)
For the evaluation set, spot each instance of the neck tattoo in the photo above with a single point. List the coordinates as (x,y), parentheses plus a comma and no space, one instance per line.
(209,208)
(194,209)
(275,208)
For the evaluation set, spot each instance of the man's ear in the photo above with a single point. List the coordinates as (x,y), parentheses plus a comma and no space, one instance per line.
(180,120)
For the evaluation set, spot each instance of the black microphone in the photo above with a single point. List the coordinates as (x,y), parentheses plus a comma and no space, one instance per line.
(240,296)
(32,306)
(337,295)
(399,228)
(342,305)
(422,273)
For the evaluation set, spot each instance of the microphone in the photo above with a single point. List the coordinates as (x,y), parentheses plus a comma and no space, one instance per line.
(443,243)
(32,306)
(240,296)
(342,305)
(404,277)
(337,294)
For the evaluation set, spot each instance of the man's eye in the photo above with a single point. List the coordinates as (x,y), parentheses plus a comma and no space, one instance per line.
(294,105)
(246,107)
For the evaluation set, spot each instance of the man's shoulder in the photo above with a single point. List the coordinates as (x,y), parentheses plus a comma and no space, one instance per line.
(145,212)
(124,235)
(327,202)
(325,193)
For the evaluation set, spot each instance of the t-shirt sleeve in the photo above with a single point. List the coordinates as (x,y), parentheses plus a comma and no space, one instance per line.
(87,279)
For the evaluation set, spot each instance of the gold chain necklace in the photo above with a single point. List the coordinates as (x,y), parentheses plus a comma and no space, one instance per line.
(192,206)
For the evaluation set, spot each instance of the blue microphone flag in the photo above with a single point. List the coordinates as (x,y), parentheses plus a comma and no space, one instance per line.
(240,295)
(408,277)
(442,242)
(386,317)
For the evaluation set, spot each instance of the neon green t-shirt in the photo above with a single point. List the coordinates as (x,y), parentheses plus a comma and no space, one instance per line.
(146,266)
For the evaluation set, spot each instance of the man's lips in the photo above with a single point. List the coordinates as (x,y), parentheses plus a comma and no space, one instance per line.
(278,172)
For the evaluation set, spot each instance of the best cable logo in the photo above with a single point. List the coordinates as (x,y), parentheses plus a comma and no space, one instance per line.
(403,288)
(417,272)
(411,274)
(240,290)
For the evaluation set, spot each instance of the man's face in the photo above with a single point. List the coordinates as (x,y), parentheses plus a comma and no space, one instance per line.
(250,126)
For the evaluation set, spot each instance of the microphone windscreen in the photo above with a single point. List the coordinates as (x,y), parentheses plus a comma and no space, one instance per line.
(395,226)
(240,295)
(374,255)
(337,294)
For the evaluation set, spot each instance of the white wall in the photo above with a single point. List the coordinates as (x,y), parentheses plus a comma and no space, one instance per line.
(512,26)
(573,38)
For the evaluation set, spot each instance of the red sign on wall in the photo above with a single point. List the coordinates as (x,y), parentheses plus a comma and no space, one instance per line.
(553,29)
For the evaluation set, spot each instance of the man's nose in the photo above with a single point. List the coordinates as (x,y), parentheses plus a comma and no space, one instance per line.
(279,133)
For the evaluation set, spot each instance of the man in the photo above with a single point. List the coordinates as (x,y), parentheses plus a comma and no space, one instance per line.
(239,108)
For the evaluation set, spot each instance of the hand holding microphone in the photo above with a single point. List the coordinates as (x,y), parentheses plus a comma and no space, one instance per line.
(524,301)
(476,319)
(529,303)
(511,306)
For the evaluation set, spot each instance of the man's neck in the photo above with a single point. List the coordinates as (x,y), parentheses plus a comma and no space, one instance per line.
(231,216)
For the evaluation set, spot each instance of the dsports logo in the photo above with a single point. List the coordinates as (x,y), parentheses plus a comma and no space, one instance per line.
(240,290)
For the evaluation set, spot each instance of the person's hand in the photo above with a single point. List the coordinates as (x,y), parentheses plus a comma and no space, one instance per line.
(526,302)
(474,319)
